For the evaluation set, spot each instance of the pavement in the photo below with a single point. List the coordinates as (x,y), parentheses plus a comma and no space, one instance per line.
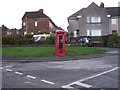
(111,51)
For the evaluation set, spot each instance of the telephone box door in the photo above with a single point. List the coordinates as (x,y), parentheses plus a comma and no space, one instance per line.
(60,43)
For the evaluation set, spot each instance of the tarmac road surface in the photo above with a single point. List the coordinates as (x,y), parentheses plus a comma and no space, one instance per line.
(99,72)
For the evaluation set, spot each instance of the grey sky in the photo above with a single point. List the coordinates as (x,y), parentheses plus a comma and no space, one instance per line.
(58,10)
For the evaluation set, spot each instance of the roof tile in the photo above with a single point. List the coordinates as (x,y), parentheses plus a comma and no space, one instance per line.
(37,14)
(113,11)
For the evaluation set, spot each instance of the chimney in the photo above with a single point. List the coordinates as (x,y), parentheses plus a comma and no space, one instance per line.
(41,10)
(102,5)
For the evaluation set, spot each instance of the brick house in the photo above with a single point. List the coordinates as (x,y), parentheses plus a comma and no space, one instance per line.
(37,22)
(0,36)
(94,21)
(5,30)
(15,31)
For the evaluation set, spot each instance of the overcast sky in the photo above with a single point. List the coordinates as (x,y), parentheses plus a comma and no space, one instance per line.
(58,10)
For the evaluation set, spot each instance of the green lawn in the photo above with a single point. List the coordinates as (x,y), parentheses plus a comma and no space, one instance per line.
(48,51)
(0,51)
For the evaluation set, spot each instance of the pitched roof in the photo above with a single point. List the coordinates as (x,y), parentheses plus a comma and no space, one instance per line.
(4,28)
(36,14)
(113,11)
(77,13)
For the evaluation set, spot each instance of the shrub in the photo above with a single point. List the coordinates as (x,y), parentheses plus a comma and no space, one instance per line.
(110,41)
(8,39)
(113,40)
(115,37)
(50,40)
(29,36)
(67,34)
(18,39)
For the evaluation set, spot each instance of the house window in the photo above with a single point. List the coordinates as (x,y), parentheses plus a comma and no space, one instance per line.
(95,19)
(8,33)
(77,32)
(35,23)
(24,23)
(114,31)
(32,33)
(113,21)
(25,33)
(108,16)
(88,32)
(88,19)
(50,25)
(17,32)
(96,32)
(79,17)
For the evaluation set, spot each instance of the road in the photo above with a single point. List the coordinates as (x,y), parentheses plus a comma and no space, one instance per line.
(99,72)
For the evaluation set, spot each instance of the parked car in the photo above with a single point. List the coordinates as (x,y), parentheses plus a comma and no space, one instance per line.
(40,37)
(85,41)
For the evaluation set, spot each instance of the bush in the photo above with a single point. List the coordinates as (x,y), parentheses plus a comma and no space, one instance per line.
(50,40)
(29,36)
(67,34)
(17,40)
(113,40)
(110,41)
(8,39)
(115,37)
(26,41)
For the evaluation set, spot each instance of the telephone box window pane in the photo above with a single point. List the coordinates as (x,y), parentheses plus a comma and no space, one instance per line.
(60,41)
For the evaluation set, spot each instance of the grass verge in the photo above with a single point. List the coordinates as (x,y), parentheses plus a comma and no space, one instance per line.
(48,51)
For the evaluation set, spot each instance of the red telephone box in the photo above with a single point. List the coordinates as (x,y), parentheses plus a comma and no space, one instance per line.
(60,47)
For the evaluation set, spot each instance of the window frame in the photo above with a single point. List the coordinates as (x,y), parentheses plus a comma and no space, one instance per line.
(114,31)
(77,31)
(88,32)
(93,33)
(24,23)
(88,20)
(94,20)
(36,23)
(113,21)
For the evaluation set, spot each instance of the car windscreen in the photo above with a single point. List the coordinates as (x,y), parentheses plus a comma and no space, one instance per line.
(35,38)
